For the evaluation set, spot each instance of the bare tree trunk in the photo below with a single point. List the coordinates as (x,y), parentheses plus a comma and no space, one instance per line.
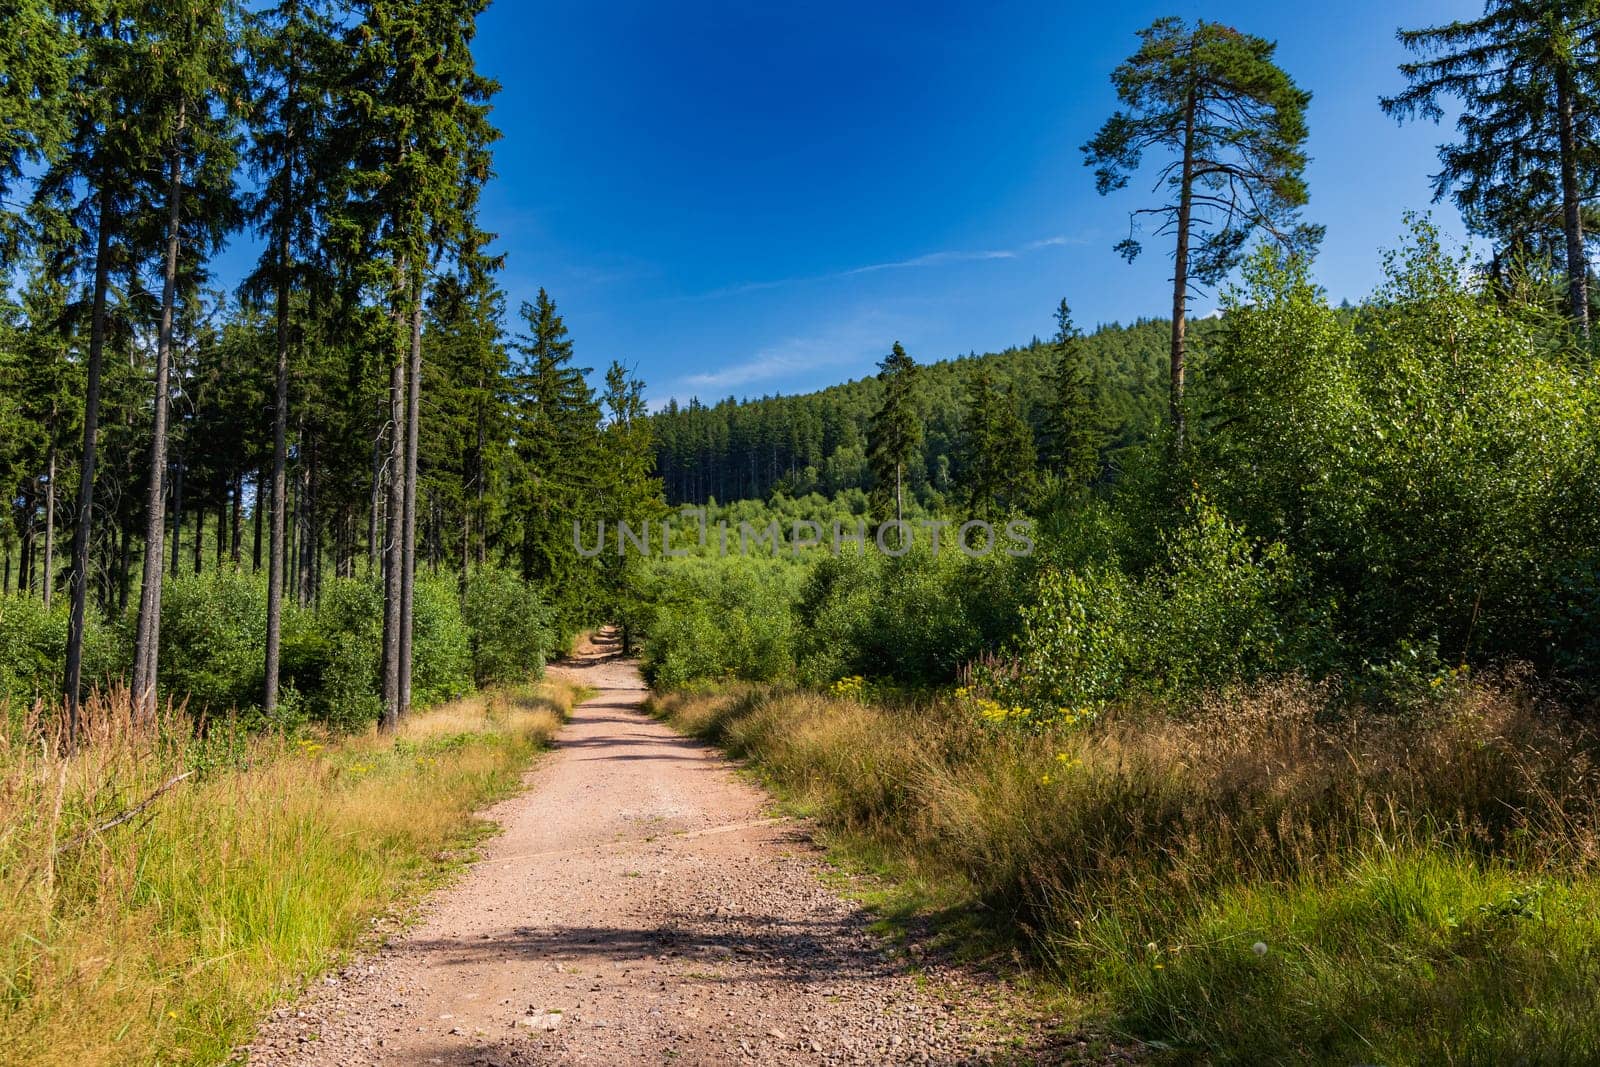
(478,476)
(147,644)
(124,570)
(26,540)
(302,525)
(84,529)
(177,513)
(1572,206)
(376,517)
(899,503)
(50,522)
(296,502)
(199,534)
(408,555)
(255,521)
(394,535)
(1180,276)
(466,550)
(238,519)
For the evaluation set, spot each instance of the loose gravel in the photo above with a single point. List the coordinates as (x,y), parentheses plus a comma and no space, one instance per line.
(643,905)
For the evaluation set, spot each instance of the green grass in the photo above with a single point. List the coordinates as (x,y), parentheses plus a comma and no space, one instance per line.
(165,939)
(1418,956)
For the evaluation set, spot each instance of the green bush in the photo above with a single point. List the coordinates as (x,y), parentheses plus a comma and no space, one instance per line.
(916,618)
(1217,609)
(33,650)
(331,657)
(509,627)
(1430,461)
(714,618)
(213,641)
(441,645)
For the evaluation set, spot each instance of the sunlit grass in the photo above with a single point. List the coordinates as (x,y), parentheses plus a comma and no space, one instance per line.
(163,939)
(1423,886)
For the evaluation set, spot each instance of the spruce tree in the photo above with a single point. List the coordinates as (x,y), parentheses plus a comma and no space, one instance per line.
(1234,124)
(1527,76)
(464,437)
(38,62)
(293,67)
(417,116)
(193,79)
(895,433)
(1072,427)
(631,489)
(48,389)
(556,428)
(83,205)
(999,456)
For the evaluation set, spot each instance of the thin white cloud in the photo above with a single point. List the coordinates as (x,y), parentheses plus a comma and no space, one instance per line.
(862,339)
(928,259)
(935,259)
(764,366)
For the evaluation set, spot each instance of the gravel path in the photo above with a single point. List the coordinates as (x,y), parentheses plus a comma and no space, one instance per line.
(642,906)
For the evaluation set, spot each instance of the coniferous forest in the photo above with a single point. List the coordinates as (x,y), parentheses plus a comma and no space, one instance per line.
(279,477)
(1246,707)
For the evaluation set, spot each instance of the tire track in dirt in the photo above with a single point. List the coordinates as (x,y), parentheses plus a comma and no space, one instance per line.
(642,906)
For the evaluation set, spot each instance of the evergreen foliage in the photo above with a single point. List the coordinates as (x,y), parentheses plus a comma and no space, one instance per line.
(1527,77)
(1234,123)
(894,432)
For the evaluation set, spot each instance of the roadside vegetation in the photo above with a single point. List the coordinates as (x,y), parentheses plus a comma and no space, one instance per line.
(160,890)
(1276,744)
(214,632)
(1276,750)
(1256,880)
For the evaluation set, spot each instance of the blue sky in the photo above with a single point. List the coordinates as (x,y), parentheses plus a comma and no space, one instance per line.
(750,197)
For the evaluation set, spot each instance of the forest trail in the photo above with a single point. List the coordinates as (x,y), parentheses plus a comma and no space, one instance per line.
(643,906)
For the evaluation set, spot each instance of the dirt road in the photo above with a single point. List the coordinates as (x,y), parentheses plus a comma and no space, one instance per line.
(641,906)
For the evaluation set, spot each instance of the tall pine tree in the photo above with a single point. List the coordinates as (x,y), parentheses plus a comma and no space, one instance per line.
(1072,428)
(418,111)
(1234,124)
(194,82)
(83,204)
(1527,76)
(293,63)
(895,433)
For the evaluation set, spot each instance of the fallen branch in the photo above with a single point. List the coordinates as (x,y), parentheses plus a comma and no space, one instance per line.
(127,816)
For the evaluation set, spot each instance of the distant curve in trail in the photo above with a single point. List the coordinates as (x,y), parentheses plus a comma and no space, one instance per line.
(641,906)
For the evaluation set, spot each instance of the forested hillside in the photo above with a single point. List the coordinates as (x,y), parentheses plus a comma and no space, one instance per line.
(817,442)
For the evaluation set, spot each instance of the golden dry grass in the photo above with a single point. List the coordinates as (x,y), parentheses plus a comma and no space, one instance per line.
(1391,860)
(163,938)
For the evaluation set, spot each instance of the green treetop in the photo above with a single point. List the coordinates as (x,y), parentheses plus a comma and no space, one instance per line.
(1234,124)
(895,432)
(1527,76)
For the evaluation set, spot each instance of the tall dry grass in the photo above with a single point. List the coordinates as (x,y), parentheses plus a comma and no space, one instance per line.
(159,889)
(1142,857)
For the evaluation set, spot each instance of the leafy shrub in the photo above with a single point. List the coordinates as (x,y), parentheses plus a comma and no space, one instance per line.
(213,640)
(509,627)
(915,618)
(1218,609)
(331,656)
(1429,462)
(441,652)
(713,618)
(33,649)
